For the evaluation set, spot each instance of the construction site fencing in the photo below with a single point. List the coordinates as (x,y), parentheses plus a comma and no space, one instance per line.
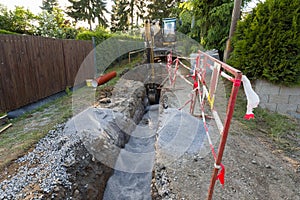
(33,68)
(204,90)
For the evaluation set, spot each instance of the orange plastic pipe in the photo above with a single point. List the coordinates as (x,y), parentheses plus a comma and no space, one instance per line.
(104,78)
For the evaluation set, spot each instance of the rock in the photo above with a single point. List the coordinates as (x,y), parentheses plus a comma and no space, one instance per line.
(268,166)
(105,100)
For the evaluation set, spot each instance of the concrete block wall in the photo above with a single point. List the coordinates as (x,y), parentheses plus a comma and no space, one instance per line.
(281,99)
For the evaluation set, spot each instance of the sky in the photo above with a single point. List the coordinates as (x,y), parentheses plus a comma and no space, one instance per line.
(34,5)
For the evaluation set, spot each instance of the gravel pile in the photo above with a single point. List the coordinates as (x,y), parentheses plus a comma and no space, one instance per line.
(62,164)
(44,169)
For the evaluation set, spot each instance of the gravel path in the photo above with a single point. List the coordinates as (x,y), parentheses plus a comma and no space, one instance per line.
(43,169)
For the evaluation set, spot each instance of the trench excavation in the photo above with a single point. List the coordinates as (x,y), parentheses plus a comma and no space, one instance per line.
(134,166)
(109,151)
(132,176)
(134,128)
(122,135)
(135,162)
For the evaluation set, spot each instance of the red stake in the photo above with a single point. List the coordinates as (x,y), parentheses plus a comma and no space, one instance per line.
(230,110)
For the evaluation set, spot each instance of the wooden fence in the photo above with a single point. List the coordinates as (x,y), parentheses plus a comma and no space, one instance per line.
(32,68)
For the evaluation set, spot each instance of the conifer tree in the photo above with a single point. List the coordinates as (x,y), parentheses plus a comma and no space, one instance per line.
(266,43)
(120,16)
(88,10)
(48,5)
(159,9)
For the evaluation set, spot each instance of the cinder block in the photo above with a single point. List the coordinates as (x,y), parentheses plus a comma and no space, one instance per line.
(289,91)
(269,106)
(279,99)
(285,108)
(258,85)
(264,87)
(298,109)
(294,99)
(264,98)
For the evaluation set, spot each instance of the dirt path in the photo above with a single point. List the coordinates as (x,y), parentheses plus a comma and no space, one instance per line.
(255,167)
(253,171)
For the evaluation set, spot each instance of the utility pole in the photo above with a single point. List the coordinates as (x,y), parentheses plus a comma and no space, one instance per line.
(235,17)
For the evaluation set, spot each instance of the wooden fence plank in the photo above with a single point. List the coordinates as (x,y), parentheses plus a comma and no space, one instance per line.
(32,68)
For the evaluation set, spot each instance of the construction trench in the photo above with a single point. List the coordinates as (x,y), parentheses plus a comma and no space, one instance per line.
(109,151)
(128,149)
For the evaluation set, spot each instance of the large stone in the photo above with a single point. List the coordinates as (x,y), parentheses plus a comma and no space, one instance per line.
(103,133)
(128,98)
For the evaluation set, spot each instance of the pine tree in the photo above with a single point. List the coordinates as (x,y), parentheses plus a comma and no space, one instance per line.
(120,17)
(100,10)
(48,5)
(137,11)
(159,9)
(88,10)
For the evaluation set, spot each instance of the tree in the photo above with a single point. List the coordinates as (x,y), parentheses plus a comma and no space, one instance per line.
(136,12)
(127,14)
(266,43)
(159,9)
(236,13)
(55,25)
(211,21)
(21,21)
(119,16)
(88,10)
(100,10)
(49,5)
(5,22)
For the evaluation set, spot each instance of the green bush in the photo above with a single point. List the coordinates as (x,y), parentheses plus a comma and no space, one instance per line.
(267,43)
(6,32)
(111,47)
(99,35)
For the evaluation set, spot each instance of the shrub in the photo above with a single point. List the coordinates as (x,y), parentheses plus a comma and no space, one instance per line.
(267,43)
(99,36)
(6,32)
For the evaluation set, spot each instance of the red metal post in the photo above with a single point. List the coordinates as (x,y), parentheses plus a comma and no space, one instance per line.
(230,110)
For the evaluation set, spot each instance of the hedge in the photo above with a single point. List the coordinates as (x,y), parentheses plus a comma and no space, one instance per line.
(7,32)
(267,43)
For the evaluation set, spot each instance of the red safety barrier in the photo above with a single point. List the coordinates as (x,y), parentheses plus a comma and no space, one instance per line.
(201,90)
(104,78)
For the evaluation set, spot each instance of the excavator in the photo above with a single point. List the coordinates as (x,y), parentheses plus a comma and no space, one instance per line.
(160,39)
(159,42)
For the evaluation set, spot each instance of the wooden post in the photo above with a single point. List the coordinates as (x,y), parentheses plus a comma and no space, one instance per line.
(235,17)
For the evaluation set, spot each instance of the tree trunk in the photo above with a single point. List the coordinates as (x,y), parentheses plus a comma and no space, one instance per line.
(235,17)
(90,24)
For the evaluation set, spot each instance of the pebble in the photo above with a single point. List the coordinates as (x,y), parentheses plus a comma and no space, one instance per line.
(44,167)
(268,166)
(253,162)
